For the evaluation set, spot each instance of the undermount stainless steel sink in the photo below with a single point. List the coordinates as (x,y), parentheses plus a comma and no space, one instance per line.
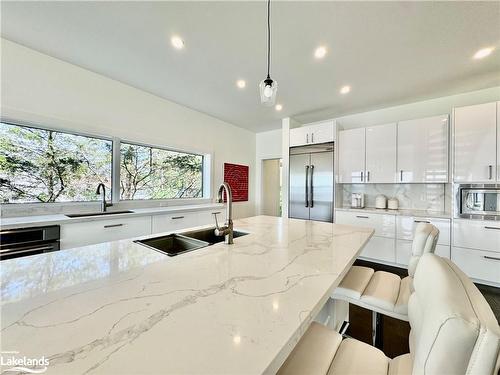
(100,213)
(208,235)
(173,244)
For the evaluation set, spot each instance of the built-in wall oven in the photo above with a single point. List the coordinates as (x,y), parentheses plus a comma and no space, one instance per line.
(479,202)
(15,243)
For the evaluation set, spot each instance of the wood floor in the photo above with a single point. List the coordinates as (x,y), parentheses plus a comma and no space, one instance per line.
(394,337)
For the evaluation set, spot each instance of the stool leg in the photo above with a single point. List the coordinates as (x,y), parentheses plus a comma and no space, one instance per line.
(374,327)
(377,330)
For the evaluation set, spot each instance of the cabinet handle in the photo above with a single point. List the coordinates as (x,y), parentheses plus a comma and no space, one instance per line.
(312,137)
(307,138)
(490,258)
(362,217)
(177,217)
(113,225)
(216,213)
(401,176)
(487,227)
(421,221)
(490,172)
(367,176)
(362,176)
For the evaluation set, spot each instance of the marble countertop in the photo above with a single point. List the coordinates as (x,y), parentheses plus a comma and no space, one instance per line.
(401,212)
(57,219)
(121,308)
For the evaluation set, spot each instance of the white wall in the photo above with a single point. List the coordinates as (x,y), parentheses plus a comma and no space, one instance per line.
(43,90)
(426,108)
(268,145)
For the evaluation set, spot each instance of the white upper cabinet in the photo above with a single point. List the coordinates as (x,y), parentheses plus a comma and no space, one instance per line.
(422,154)
(381,154)
(321,132)
(352,155)
(475,141)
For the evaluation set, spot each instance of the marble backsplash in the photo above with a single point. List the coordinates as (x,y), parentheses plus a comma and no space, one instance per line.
(433,197)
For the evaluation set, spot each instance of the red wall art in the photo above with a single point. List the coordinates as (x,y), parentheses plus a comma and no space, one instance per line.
(237,177)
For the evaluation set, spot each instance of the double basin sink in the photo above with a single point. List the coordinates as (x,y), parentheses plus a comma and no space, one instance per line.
(180,243)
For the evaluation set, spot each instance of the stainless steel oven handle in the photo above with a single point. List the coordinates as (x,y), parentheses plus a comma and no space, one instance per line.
(25,250)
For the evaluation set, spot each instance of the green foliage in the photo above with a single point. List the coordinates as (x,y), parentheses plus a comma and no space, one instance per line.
(152,173)
(46,166)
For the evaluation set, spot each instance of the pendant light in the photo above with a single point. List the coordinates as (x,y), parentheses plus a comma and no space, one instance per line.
(268,87)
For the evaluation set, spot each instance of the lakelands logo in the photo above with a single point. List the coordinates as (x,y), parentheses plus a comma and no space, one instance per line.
(16,363)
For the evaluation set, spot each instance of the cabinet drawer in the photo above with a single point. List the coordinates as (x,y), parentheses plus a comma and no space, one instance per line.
(173,222)
(207,217)
(482,265)
(379,248)
(405,228)
(92,232)
(480,235)
(384,225)
(403,251)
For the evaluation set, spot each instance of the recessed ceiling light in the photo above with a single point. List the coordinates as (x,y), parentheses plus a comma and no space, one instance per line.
(320,52)
(484,52)
(241,83)
(345,89)
(278,107)
(177,42)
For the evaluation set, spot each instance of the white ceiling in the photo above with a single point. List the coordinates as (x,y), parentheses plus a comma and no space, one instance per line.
(389,52)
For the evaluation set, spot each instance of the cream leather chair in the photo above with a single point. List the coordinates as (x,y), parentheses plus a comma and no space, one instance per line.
(453,331)
(385,292)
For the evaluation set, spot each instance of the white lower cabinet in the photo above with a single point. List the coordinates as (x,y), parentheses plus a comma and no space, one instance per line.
(480,265)
(381,249)
(208,217)
(103,230)
(171,222)
(476,234)
(403,251)
(406,225)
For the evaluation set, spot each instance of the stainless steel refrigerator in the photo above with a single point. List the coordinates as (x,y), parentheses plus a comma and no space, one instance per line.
(311,182)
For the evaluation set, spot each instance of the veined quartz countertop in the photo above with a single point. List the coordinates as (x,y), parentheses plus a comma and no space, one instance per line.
(122,308)
(401,212)
(54,219)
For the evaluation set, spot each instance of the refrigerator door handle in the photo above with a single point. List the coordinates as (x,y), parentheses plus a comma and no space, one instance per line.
(307,188)
(311,187)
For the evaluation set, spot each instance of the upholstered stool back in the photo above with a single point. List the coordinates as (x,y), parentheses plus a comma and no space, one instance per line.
(424,241)
(453,329)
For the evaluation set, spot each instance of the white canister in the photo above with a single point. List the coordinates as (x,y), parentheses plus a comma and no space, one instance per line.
(381,201)
(393,204)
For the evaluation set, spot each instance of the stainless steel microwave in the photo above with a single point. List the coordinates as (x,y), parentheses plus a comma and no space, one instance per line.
(480,201)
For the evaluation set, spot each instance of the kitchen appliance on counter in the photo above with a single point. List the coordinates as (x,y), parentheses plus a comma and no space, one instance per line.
(480,201)
(381,201)
(393,204)
(15,243)
(357,200)
(311,182)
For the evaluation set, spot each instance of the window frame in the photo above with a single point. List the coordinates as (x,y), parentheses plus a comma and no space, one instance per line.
(163,148)
(206,170)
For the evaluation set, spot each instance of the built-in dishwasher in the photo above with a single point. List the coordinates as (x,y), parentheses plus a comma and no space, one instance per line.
(15,243)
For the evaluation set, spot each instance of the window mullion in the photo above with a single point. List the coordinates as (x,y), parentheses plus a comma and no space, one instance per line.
(115,180)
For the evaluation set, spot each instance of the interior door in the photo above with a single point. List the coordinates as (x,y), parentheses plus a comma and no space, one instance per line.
(299,177)
(321,187)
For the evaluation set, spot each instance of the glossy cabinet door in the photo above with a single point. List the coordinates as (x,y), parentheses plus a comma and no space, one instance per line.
(381,154)
(299,136)
(322,132)
(475,141)
(352,156)
(423,150)
(171,222)
(477,234)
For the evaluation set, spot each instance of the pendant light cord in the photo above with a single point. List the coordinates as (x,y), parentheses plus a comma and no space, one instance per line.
(268,36)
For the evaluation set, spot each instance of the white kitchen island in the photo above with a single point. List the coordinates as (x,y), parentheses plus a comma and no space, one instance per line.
(122,308)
